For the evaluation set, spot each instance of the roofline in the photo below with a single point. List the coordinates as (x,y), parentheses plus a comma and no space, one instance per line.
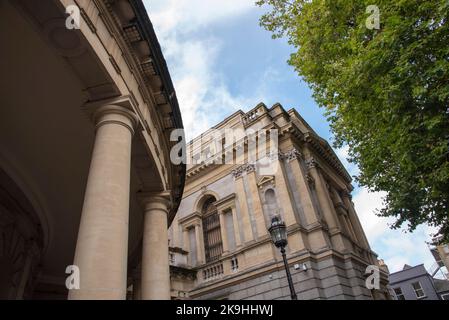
(161,66)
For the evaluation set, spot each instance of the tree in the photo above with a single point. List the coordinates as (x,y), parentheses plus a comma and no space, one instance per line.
(385,90)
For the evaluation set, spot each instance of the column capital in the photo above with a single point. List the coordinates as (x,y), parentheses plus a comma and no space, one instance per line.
(245,168)
(292,154)
(155,200)
(117,110)
(312,163)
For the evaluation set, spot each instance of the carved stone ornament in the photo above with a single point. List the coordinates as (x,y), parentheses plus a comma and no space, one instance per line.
(237,173)
(292,154)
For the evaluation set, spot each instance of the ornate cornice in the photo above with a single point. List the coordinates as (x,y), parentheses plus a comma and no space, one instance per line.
(326,152)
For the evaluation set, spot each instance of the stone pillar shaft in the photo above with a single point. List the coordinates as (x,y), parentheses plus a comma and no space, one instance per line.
(102,247)
(201,258)
(238,241)
(155,283)
(324,198)
(224,233)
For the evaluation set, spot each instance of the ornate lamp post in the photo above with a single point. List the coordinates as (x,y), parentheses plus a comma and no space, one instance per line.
(279,236)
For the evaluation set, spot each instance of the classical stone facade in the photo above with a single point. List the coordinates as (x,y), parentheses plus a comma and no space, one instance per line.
(85,171)
(219,237)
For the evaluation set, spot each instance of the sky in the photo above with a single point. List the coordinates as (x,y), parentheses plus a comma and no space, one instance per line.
(221,60)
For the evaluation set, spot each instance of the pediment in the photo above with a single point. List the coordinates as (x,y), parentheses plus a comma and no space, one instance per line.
(265,180)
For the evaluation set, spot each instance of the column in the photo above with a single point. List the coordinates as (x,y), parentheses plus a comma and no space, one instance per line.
(155,283)
(285,198)
(323,196)
(353,218)
(102,246)
(235,221)
(224,233)
(258,214)
(293,158)
(201,257)
(246,221)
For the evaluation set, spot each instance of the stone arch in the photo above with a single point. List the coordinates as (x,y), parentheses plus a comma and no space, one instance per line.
(211,227)
(271,206)
(202,198)
(21,241)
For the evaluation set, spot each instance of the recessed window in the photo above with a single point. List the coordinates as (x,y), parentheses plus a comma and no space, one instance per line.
(213,246)
(419,292)
(399,294)
(234,264)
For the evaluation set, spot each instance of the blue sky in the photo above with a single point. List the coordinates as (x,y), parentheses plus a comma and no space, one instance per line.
(221,61)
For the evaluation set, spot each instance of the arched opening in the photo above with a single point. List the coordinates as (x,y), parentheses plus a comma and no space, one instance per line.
(271,205)
(213,246)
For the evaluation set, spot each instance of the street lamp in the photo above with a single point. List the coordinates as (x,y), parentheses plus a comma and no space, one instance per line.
(279,237)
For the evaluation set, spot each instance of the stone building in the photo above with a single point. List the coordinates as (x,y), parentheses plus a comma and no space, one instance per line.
(219,244)
(85,172)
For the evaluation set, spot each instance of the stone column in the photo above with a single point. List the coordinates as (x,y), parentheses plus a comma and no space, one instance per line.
(224,232)
(323,196)
(155,265)
(353,218)
(247,229)
(258,214)
(102,246)
(201,256)
(238,241)
(293,157)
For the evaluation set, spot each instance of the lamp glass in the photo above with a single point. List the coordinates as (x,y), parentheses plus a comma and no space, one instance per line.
(278,232)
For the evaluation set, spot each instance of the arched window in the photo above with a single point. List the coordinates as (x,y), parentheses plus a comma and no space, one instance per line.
(213,246)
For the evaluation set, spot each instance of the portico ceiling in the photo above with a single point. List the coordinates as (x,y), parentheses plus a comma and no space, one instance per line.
(46,139)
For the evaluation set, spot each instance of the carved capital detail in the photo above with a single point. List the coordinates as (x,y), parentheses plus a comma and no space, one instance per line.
(311,163)
(292,154)
(246,168)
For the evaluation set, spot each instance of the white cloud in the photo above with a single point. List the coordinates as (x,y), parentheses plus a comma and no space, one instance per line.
(189,15)
(192,56)
(396,247)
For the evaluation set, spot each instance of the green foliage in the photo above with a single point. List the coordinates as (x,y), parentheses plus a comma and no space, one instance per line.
(386,93)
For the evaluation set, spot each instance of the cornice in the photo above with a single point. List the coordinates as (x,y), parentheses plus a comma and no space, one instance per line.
(328,155)
(226,201)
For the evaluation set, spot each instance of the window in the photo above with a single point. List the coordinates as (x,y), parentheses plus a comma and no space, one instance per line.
(445,296)
(234,264)
(399,294)
(418,290)
(213,246)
